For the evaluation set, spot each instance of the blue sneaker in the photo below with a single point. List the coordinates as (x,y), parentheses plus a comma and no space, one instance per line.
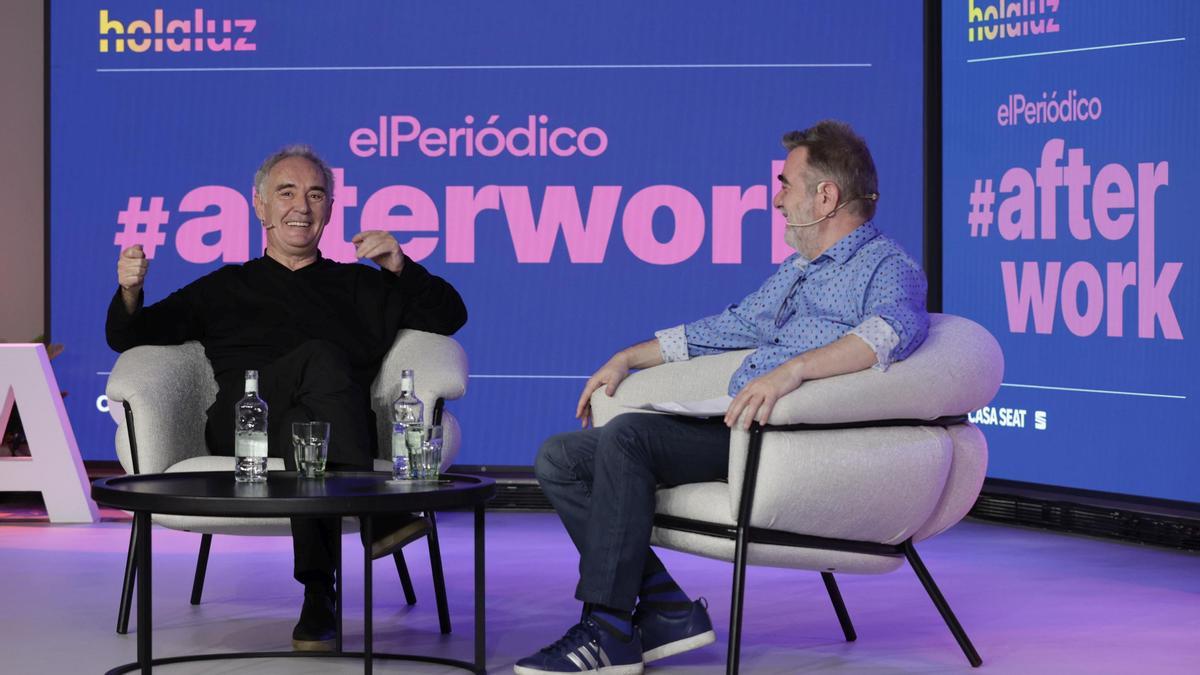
(665,635)
(588,647)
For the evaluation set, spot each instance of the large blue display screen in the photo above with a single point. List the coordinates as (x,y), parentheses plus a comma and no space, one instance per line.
(1070,177)
(584,173)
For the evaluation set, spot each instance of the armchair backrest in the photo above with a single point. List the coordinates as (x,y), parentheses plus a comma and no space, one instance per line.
(955,371)
(171,387)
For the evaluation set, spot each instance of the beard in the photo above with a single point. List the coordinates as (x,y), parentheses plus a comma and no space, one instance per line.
(805,240)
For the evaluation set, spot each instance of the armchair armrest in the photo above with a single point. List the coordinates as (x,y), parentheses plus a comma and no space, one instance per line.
(169,390)
(956,370)
(440,366)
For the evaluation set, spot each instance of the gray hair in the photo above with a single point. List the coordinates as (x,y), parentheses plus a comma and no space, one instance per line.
(295,150)
(836,153)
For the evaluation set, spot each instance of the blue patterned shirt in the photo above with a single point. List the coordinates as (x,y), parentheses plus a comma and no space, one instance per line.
(865,284)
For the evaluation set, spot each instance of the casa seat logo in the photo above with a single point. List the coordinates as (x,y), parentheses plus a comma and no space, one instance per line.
(183,33)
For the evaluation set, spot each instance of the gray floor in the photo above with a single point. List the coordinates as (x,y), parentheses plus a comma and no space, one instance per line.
(1033,602)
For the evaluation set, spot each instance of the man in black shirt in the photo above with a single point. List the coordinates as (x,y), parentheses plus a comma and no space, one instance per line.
(316,331)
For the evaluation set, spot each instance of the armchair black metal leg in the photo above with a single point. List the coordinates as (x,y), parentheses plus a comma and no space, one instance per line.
(127,587)
(439,579)
(201,568)
(835,596)
(410,595)
(735,606)
(742,548)
(337,584)
(943,607)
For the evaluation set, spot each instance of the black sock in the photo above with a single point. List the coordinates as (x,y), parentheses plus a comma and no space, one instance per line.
(660,592)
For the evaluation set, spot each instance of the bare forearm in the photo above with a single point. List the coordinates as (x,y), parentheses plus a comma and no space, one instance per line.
(642,355)
(847,354)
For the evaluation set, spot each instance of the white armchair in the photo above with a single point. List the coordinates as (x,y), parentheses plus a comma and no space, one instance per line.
(847,475)
(159,395)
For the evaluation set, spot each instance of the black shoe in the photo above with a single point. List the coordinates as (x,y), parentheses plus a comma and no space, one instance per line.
(398,531)
(317,628)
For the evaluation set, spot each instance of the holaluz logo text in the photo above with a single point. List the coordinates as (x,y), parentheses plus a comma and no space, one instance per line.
(162,34)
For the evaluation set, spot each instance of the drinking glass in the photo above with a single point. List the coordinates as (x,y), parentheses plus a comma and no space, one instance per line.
(431,453)
(424,444)
(310,441)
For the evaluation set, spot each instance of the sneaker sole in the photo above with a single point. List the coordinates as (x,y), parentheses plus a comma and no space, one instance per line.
(312,645)
(679,646)
(631,669)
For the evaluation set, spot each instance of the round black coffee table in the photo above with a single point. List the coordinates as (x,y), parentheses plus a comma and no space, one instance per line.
(285,495)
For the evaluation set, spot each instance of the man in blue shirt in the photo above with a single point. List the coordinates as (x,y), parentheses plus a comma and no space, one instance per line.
(849,299)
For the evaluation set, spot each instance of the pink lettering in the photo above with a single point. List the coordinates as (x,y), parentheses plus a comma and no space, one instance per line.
(560,210)
(1018,214)
(1082,274)
(414,129)
(363,142)
(1154,295)
(1104,201)
(1030,295)
(1120,277)
(229,222)
(463,205)
(1049,178)
(638,224)
(779,246)
(1077,176)
(730,206)
(422,216)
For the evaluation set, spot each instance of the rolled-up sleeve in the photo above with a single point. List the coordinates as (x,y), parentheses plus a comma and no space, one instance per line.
(672,343)
(880,337)
(896,296)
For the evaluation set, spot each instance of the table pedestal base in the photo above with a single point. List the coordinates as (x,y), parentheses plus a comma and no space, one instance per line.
(134,667)
(141,523)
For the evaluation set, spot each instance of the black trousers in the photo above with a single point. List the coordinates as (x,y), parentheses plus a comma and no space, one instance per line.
(312,382)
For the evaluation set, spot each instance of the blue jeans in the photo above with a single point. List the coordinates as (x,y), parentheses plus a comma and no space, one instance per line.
(602,482)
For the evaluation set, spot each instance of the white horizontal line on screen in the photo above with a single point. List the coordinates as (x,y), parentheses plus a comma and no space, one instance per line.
(530,66)
(529,377)
(1076,49)
(485,377)
(1092,391)
(1004,384)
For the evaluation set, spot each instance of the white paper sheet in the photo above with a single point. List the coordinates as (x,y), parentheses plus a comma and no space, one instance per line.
(709,407)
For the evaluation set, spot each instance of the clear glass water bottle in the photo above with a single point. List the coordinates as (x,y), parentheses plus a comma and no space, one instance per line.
(407,411)
(250,435)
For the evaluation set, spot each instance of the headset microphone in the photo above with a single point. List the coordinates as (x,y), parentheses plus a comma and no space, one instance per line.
(873,196)
(814,222)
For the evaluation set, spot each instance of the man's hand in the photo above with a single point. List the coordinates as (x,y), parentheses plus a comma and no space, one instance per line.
(759,396)
(132,266)
(381,247)
(609,376)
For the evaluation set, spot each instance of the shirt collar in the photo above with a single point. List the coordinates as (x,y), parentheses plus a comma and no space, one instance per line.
(847,246)
(271,262)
